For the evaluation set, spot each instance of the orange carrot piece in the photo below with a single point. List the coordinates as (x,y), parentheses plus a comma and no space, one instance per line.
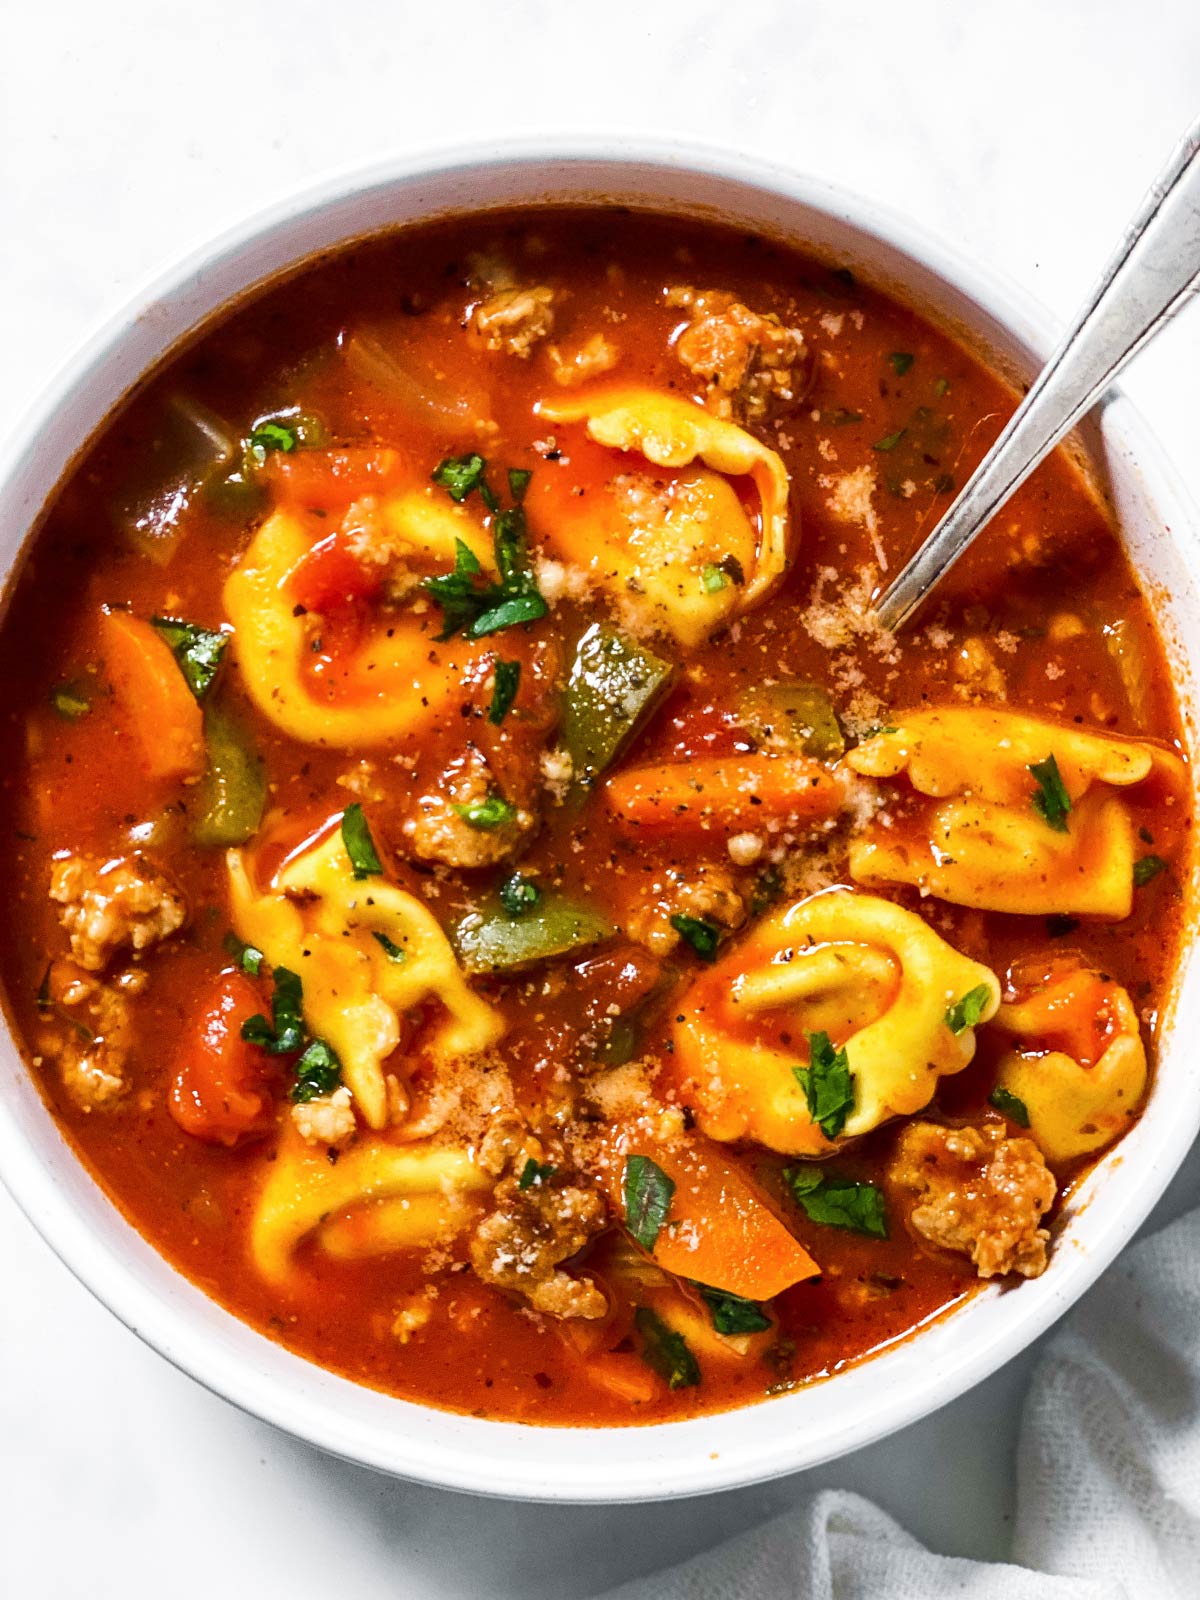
(719,1231)
(721,793)
(149,685)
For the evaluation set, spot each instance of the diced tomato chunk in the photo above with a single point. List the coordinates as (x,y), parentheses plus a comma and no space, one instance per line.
(331,575)
(221,1091)
(322,480)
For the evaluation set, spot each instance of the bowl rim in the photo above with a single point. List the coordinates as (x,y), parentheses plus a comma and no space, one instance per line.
(164,1321)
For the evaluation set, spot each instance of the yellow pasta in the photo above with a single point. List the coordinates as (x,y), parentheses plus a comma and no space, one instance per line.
(1074,1108)
(317,920)
(378,1197)
(657,544)
(982,843)
(872,976)
(398,680)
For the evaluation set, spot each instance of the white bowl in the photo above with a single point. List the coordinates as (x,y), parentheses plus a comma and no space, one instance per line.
(828,1418)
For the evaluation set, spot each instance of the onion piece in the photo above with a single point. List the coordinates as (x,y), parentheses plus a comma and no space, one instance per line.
(412,387)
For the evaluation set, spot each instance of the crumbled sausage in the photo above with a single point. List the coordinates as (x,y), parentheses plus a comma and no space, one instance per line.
(978,1193)
(326,1119)
(521,1245)
(87,1035)
(126,902)
(749,359)
(441,832)
(514,320)
(595,356)
(708,892)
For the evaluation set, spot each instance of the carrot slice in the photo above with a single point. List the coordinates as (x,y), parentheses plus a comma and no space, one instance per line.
(324,479)
(720,1230)
(149,685)
(727,792)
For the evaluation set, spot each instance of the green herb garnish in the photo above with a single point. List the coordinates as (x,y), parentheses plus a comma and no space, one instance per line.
(648,1194)
(390,948)
(966,1012)
(69,703)
(941,387)
(519,894)
(1013,1108)
(247,956)
(731,1314)
(518,482)
(889,440)
(270,436)
(197,650)
(702,934)
(901,361)
(480,610)
(828,1085)
(1146,869)
(460,476)
(506,680)
(285,1032)
(666,1351)
(712,579)
(1050,799)
(493,812)
(535,1172)
(838,1202)
(360,847)
(318,1072)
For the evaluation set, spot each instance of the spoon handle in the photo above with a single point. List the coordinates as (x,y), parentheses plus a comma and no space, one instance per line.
(1152,274)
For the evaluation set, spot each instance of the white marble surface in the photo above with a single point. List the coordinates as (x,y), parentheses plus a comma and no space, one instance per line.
(133,129)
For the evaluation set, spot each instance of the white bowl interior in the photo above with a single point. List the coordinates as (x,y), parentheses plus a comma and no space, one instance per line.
(826,1419)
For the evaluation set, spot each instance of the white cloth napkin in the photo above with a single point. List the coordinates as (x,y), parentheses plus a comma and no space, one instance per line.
(1108,1492)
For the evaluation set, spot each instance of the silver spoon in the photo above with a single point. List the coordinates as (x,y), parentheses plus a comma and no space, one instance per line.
(1153,273)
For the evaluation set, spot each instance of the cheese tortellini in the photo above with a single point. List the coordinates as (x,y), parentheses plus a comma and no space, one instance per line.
(378,1197)
(981,841)
(677,547)
(871,976)
(316,919)
(397,681)
(1074,1105)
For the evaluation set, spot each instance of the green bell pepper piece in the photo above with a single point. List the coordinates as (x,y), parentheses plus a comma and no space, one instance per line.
(234,787)
(491,940)
(613,686)
(798,715)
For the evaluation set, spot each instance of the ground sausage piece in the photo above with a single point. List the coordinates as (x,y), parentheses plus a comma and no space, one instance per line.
(707,893)
(88,1034)
(514,320)
(520,1245)
(749,359)
(441,832)
(326,1119)
(126,902)
(978,1193)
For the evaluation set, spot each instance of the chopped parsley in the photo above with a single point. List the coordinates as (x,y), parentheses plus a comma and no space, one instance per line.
(460,476)
(519,894)
(285,1031)
(198,651)
(390,948)
(665,1351)
(966,1012)
(493,812)
(889,440)
(648,1195)
(731,1314)
(702,934)
(1147,869)
(69,703)
(506,680)
(480,609)
(1013,1108)
(360,847)
(713,579)
(318,1072)
(518,482)
(838,1202)
(270,436)
(901,361)
(828,1085)
(246,956)
(1050,799)
(535,1172)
